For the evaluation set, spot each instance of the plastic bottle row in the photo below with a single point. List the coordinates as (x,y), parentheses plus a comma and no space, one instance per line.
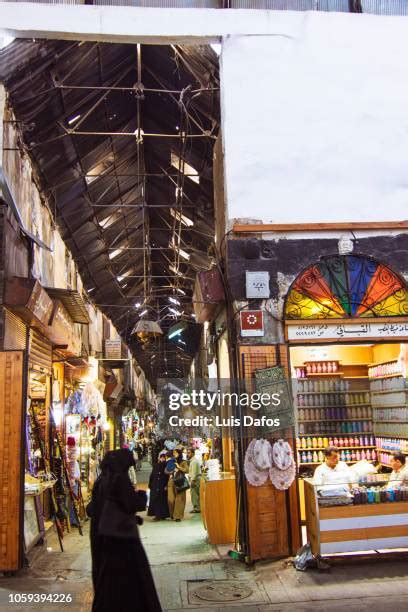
(345,455)
(335,427)
(397,430)
(388,384)
(391,399)
(334,412)
(391,414)
(333,399)
(384,369)
(376,495)
(322,385)
(314,443)
(393,444)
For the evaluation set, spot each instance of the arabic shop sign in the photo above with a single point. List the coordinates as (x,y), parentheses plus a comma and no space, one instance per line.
(346,331)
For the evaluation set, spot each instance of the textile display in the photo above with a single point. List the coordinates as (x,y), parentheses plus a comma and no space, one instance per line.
(263,461)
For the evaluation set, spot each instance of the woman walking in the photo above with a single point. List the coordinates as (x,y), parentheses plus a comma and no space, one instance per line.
(158,481)
(121,574)
(177,499)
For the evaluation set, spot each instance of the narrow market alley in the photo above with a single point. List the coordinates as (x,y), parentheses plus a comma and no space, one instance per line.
(203,307)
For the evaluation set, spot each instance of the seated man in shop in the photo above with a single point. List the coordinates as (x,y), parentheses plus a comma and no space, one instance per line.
(399,474)
(332,475)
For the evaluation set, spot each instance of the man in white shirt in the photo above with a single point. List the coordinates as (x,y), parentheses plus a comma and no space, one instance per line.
(332,475)
(399,474)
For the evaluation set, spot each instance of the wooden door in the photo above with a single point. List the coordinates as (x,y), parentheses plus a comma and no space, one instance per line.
(273,516)
(11,458)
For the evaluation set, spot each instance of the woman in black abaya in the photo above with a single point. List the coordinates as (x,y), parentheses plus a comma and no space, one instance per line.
(120,570)
(158,481)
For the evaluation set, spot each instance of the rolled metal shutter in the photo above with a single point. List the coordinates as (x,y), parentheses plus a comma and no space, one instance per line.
(40,353)
(13,333)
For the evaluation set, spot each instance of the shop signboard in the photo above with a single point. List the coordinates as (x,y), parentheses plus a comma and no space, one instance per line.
(61,329)
(28,298)
(257,284)
(274,382)
(251,323)
(113,349)
(347,331)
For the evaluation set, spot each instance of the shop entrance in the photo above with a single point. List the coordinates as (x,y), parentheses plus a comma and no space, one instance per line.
(346,331)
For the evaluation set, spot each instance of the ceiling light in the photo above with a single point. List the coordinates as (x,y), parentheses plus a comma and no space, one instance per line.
(193,315)
(114,253)
(145,329)
(73,119)
(143,313)
(137,305)
(174,301)
(180,217)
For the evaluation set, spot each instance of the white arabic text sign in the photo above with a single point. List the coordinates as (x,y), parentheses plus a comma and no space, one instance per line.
(342,331)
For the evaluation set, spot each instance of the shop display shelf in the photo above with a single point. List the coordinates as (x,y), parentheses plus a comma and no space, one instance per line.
(380,363)
(320,448)
(320,462)
(401,421)
(378,435)
(404,390)
(344,420)
(342,433)
(349,392)
(383,406)
(383,450)
(323,374)
(396,375)
(336,406)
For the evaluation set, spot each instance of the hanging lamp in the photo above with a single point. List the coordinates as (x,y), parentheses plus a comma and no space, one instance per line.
(146,329)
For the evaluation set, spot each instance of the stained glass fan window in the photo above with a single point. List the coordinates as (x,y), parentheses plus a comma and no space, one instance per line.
(347,286)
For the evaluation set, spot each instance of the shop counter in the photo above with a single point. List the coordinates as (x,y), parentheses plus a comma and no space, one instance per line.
(352,528)
(218,502)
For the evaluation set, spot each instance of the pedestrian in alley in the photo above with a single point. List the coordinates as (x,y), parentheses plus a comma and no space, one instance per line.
(158,482)
(177,497)
(194,474)
(121,574)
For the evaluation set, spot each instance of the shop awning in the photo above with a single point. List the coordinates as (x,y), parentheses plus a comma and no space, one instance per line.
(72,302)
(114,364)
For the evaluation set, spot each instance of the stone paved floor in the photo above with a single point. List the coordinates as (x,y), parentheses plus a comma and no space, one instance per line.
(181,558)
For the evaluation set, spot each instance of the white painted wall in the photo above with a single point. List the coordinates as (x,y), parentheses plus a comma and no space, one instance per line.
(315,123)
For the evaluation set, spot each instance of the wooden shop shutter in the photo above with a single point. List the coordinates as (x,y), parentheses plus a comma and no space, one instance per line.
(11,432)
(273,517)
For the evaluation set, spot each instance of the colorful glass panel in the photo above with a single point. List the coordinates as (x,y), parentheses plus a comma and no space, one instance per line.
(314,285)
(383,284)
(347,286)
(303,307)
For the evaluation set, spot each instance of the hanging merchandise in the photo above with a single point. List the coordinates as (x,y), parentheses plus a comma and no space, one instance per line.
(92,401)
(254,475)
(282,474)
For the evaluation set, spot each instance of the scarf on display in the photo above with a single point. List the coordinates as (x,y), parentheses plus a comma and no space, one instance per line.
(263,460)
